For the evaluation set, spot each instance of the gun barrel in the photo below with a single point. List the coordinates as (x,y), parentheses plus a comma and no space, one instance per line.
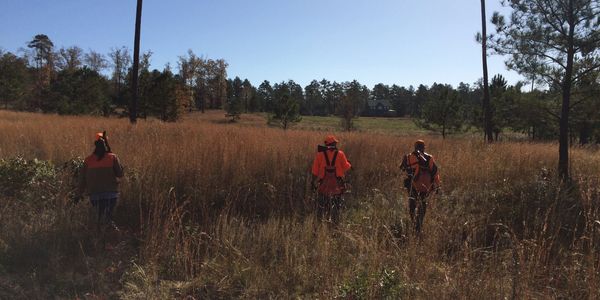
(105,137)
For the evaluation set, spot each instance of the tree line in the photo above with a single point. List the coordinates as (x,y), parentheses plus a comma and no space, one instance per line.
(439,107)
(73,81)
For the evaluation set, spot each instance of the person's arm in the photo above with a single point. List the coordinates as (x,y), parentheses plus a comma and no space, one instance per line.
(404,164)
(347,165)
(342,164)
(117,167)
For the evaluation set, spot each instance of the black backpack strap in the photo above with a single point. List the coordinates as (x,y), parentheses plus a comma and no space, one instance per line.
(334,158)
(326,159)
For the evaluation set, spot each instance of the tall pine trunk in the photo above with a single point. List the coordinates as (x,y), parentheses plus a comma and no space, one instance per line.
(487,118)
(136,64)
(563,147)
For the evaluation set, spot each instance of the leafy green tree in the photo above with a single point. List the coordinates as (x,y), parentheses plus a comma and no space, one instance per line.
(560,40)
(534,115)
(286,108)
(586,109)
(145,82)
(247,94)
(402,99)
(421,97)
(190,73)
(265,95)
(82,91)
(473,104)
(217,83)
(205,80)
(313,99)
(296,91)
(351,104)
(166,96)
(332,94)
(15,80)
(500,105)
(443,111)
(381,93)
(335,94)
(235,104)
(255,102)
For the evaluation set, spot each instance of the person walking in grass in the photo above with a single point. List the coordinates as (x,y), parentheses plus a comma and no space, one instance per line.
(329,169)
(422,178)
(99,179)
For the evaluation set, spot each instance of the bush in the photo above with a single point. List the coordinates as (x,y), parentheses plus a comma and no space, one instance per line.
(380,285)
(27,179)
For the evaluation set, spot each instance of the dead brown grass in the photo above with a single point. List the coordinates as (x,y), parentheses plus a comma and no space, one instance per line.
(225,211)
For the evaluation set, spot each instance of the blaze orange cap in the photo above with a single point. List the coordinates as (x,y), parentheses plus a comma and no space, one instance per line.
(99,135)
(330,139)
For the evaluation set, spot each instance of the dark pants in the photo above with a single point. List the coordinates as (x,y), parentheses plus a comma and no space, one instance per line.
(417,206)
(105,209)
(329,207)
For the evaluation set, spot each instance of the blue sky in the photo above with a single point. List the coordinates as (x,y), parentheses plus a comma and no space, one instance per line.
(405,42)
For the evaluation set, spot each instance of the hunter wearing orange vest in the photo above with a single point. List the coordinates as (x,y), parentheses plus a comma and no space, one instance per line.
(329,169)
(423,178)
(99,178)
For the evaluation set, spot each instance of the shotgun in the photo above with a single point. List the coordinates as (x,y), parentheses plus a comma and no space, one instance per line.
(105,138)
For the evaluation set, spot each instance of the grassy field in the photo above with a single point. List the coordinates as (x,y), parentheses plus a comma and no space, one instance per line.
(394,126)
(214,210)
(390,126)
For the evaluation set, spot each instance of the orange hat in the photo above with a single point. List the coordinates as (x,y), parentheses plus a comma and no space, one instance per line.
(99,136)
(330,139)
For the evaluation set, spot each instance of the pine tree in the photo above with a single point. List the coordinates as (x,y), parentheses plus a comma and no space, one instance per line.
(559,40)
(286,108)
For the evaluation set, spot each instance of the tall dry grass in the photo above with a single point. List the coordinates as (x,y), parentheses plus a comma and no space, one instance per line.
(225,211)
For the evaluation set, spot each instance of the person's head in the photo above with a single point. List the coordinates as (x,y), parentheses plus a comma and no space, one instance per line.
(100,146)
(99,136)
(420,146)
(331,141)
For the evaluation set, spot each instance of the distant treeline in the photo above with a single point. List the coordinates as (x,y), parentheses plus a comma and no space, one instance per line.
(72,81)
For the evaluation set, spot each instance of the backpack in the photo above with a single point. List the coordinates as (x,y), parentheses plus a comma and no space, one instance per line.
(423,180)
(329,184)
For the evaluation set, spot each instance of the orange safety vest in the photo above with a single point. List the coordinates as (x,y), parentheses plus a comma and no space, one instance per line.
(424,171)
(341,163)
(329,185)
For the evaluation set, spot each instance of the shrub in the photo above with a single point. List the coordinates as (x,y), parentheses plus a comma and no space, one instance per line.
(27,179)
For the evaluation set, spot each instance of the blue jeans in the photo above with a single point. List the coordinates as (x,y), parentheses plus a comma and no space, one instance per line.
(105,202)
